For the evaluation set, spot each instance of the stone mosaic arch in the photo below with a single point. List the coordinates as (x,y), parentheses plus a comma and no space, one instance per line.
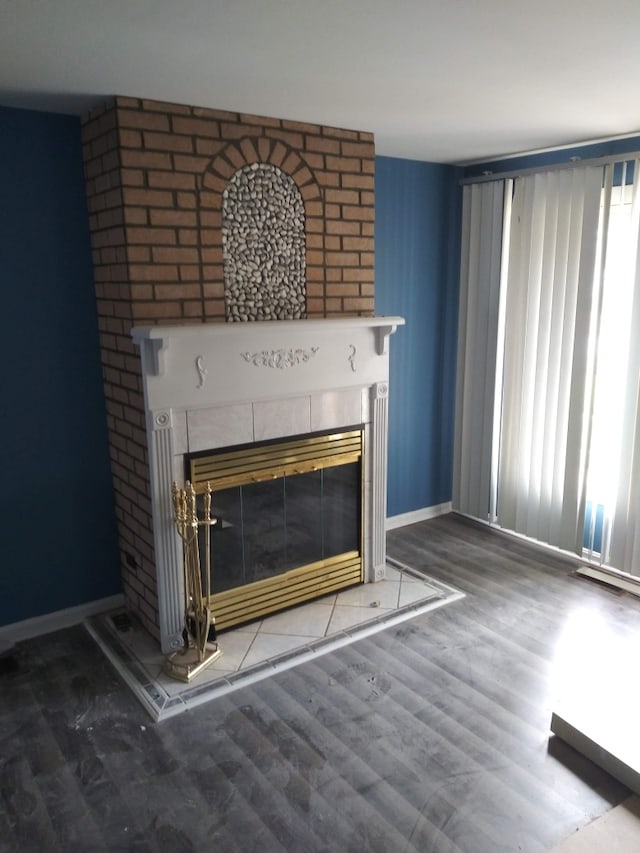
(258,201)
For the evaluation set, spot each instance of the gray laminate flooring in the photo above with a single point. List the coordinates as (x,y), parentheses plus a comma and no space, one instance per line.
(431,736)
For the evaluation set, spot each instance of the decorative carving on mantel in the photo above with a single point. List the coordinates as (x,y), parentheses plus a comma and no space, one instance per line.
(280,358)
(352,357)
(162,420)
(202,371)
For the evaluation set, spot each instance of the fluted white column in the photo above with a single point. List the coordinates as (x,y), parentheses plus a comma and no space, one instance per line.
(166,542)
(378,461)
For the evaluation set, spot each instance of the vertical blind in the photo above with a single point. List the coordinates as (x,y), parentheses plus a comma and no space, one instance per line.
(548,313)
(483,208)
(532,273)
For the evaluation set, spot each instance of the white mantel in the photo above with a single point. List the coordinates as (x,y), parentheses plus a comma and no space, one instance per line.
(213,385)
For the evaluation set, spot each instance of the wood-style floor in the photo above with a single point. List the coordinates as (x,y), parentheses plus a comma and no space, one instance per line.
(431,736)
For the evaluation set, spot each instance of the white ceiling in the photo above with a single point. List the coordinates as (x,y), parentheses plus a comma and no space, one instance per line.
(440,80)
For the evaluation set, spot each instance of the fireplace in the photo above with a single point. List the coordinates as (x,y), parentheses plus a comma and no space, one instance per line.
(212,389)
(210,217)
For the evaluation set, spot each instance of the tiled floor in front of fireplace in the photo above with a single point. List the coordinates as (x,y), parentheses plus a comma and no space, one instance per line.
(255,651)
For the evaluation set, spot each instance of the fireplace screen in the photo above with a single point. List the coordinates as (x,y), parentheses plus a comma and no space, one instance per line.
(288,522)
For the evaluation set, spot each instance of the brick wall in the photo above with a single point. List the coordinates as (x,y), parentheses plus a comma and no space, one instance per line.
(155,176)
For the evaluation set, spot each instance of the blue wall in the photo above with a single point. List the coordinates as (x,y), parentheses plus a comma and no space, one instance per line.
(417,264)
(58,546)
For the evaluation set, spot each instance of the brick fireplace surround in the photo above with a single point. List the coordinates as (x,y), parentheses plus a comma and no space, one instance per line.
(155,173)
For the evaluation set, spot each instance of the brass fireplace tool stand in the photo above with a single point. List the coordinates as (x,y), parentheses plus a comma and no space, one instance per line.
(199,634)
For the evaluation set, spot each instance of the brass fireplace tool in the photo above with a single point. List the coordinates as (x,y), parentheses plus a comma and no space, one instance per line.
(199,634)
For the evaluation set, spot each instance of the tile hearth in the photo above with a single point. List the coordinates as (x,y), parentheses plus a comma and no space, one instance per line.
(255,651)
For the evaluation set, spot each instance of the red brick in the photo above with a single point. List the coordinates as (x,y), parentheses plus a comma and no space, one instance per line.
(342,259)
(186,163)
(315,289)
(342,196)
(218,115)
(315,306)
(189,272)
(136,215)
(140,292)
(188,237)
(196,126)
(148,198)
(278,153)
(364,214)
(177,291)
(168,142)
(264,149)
(264,121)
(212,255)
(213,291)
(248,149)
(340,133)
(130,138)
(362,244)
(171,180)
(152,236)
(363,182)
(174,255)
(193,308)
(214,308)
(358,149)
(235,157)
(155,310)
(343,164)
(294,140)
(229,130)
(358,274)
(138,254)
(315,273)
(291,163)
(210,147)
(215,184)
(169,217)
(314,257)
(342,289)
(143,120)
(132,177)
(153,272)
(146,160)
(359,304)
(315,161)
(212,272)
(123,101)
(165,107)
(186,200)
(326,146)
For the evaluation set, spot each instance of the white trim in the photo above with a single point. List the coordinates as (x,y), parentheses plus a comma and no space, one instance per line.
(568,146)
(621,580)
(534,543)
(416,515)
(38,625)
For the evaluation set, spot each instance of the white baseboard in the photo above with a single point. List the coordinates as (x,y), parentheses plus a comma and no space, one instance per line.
(417,515)
(17,631)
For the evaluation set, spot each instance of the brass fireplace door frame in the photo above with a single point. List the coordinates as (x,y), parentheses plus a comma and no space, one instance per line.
(243,466)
